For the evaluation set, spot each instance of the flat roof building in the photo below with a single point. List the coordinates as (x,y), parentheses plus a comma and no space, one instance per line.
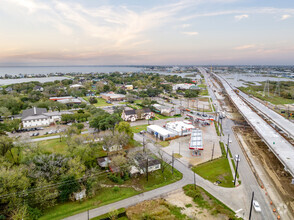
(160,132)
(179,128)
(196,142)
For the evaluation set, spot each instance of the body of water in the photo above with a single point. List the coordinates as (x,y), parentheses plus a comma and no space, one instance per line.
(16,70)
(4,82)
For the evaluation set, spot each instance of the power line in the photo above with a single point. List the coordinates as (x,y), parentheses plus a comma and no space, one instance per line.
(49,186)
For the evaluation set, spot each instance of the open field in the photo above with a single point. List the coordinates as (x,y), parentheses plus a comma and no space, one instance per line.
(216,170)
(100,102)
(286,92)
(138,128)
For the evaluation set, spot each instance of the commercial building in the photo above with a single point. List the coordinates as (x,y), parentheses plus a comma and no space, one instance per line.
(184,86)
(180,128)
(111,96)
(39,117)
(68,100)
(196,141)
(160,132)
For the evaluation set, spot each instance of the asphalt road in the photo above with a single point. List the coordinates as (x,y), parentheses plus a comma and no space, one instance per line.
(247,177)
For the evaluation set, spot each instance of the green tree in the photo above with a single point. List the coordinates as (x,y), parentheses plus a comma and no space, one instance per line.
(6,144)
(124,127)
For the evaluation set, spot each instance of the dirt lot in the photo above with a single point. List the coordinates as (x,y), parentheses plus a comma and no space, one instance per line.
(179,199)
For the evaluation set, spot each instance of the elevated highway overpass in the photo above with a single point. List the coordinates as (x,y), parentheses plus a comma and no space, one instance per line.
(282,149)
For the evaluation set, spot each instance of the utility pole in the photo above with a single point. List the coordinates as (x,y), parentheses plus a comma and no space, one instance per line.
(173,163)
(179,148)
(236,171)
(228,145)
(143,142)
(147,169)
(88,214)
(212,152)
(195,180)
(251,206)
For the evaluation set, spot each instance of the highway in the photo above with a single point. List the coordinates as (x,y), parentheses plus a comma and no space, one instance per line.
(247,177)
(283,150)
(284,124)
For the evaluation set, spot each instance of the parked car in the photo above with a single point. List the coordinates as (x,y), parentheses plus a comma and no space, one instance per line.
(256,206)
(198,114)
(204,115)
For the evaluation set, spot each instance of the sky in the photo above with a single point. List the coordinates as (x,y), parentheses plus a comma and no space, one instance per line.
(146,32)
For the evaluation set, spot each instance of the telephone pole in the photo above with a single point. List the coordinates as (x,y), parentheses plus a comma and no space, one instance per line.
(228,145)
(251,204)
(173,163)
(195,180)
(212,152)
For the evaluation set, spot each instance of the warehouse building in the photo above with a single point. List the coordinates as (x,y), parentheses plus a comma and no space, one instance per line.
(160,132)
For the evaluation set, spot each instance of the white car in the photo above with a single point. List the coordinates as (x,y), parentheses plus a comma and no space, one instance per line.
(237,157)
(256,206)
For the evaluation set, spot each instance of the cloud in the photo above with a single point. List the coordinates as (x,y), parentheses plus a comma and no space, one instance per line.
(240,17)
(191,33)
(186,25)
(245,47)
(244,11)
(284,17)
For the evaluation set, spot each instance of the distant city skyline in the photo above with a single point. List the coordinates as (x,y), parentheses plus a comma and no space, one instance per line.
(153,32)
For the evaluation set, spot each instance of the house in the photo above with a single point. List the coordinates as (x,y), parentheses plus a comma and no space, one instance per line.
(39,117)
(111,96)
(129,115)
(179,128)
(129,87)
(133,115)
(183,86)
(141,161)
(76,86)
(103,162)
(160,132)
(90,93)
(166,110)
(38,88)
(9,89)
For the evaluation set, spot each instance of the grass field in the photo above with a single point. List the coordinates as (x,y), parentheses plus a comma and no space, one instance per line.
(158,116)
(216,170)
(103,197)
(205,200)
(138,128)
(100,102)
(53,146)
(109,195)
(164,143)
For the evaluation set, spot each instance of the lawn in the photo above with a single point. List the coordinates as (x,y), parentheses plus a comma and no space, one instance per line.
(53,146)
(109,195)
(164,143)
(103,197)
(138,128)
(205,200)
(216,170)
(158,116)
(101,102)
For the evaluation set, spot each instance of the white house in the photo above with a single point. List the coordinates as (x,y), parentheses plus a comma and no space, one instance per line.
(141,162)
(39,117)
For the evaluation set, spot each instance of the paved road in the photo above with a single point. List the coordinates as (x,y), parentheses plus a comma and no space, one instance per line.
(246,175)
(277,119)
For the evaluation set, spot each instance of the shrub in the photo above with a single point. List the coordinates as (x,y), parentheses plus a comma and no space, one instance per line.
(116,189)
